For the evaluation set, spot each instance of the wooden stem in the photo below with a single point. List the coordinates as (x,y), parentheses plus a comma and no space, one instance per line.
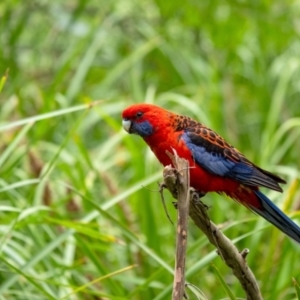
(182,181)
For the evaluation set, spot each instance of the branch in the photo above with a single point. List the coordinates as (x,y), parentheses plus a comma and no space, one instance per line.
(225,248)
(182,182)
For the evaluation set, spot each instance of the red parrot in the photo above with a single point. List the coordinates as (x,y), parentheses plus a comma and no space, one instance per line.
(216,166)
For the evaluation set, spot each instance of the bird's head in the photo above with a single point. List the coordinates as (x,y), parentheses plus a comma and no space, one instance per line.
(143,119)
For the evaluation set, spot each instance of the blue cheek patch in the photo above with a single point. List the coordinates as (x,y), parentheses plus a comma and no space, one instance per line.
(143,129)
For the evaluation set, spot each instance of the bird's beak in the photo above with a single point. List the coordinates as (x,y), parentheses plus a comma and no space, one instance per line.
(126,124)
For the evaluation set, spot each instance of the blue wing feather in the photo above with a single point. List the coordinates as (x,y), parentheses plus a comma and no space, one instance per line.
(217,163)
(213,154)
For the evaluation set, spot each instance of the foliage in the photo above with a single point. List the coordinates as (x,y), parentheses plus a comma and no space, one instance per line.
(80,215)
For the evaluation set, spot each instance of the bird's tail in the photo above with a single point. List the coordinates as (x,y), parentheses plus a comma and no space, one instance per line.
(274,215)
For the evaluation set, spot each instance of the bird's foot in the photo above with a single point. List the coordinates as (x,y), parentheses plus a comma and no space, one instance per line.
(201,194)
(196,197)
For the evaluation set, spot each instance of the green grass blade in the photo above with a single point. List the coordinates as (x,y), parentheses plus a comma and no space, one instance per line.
(85,286)
(11,147)
(45,116)
(3,81)
(223,283)
(32,281)
(297,288)
(134,239)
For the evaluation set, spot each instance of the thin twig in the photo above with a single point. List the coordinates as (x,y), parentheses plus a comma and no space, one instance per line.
(161,191)
(225,248)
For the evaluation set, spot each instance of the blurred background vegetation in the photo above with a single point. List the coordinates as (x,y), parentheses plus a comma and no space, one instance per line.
(81,217)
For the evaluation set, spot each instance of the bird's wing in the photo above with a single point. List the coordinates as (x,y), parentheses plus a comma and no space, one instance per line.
(214,154)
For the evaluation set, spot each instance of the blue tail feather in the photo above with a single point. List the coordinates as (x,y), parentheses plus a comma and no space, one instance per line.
(275,216)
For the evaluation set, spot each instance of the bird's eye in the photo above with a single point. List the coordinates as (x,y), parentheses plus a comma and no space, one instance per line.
(139,114)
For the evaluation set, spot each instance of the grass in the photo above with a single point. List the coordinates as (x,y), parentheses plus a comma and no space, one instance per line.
(80,214)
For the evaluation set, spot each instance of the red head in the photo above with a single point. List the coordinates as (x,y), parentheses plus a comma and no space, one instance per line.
(144,119)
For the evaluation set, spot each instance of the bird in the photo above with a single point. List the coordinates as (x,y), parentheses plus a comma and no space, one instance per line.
(215,165)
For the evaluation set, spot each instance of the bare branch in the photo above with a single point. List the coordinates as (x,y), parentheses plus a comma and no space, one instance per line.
(180,180)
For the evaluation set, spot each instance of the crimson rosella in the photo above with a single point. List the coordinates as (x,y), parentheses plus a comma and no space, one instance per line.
(216,166)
